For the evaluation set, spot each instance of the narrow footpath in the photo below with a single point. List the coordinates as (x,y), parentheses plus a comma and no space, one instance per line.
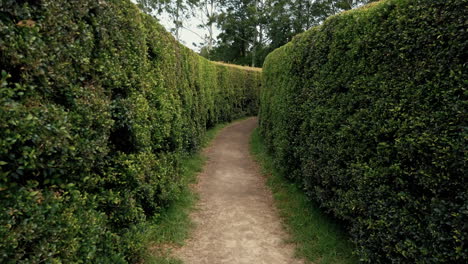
(236,221)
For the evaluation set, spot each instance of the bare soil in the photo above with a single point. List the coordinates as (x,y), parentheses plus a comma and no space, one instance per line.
(236,221)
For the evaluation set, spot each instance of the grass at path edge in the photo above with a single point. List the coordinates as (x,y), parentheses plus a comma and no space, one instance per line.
(318,239)
(172,227)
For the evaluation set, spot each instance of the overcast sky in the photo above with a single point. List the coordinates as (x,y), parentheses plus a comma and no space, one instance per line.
(186,36)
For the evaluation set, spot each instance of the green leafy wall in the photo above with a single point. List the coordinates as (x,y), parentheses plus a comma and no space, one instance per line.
(368,112)
(98,103)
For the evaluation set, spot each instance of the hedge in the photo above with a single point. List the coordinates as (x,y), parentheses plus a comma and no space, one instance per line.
(368,112)
(98,104)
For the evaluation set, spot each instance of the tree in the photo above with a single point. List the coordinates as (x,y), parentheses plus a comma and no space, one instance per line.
(250,29)
(242,25)
(178,11)
(237,24)
(208,17)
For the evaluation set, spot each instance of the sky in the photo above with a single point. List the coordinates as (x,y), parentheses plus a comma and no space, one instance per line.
(186,36)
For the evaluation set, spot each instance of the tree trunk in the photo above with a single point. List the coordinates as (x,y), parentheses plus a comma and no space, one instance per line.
(254,44)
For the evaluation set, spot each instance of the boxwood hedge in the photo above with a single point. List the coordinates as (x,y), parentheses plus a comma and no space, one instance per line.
(369,113)
(98,103)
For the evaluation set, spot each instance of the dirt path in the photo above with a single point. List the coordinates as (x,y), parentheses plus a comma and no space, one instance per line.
(236,219)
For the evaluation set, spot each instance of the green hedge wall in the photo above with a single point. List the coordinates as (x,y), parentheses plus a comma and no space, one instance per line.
(369,113)
(98,103)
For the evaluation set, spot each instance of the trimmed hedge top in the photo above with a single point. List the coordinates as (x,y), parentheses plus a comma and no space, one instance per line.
(368,113)
(98,103)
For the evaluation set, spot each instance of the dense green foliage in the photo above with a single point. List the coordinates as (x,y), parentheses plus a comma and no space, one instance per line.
(316,237)
(250,29)
(98,105)
(368,113)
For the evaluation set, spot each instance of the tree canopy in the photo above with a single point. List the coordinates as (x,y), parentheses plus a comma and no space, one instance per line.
(249,29)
